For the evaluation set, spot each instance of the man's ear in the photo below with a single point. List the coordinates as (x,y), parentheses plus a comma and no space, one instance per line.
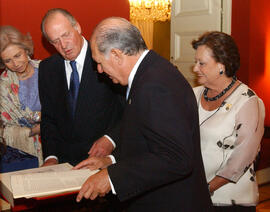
(117,56)
(78,27)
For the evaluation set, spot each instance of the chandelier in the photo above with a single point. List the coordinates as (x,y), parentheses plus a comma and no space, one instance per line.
(154,10)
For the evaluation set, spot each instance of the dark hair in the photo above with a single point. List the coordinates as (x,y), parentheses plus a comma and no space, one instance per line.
(10,35)
(224,50)
(53,11)
(123,36)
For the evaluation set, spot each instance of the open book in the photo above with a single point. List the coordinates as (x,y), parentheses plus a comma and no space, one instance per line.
(43,181)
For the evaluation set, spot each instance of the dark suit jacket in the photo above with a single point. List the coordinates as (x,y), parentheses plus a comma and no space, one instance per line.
(98,108)
(159,165)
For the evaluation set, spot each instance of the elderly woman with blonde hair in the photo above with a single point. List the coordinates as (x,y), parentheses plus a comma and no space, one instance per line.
(19,100)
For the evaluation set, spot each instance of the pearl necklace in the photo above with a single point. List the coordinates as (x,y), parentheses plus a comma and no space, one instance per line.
(221,93)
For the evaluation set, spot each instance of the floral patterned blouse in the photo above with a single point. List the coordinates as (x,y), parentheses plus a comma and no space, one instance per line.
(16,117)
(230,142)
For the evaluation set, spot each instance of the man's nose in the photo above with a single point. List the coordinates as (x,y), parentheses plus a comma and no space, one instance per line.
(195,68)
(63,43)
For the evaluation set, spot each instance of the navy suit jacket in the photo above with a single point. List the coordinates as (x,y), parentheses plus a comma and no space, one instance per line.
(98,109)
(159,165)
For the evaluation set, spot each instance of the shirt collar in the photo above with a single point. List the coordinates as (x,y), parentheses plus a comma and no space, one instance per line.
(80,59)
(135,68)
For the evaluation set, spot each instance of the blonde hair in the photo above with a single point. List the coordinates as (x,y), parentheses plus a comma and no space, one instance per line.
(10,35)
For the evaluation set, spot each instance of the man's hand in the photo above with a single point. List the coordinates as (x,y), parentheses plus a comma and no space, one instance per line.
(102,147)
(49,162)
(94,163)
(96,185)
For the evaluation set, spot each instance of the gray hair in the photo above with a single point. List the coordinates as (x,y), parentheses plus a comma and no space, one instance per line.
(53,11)
(122,35)
(10,35)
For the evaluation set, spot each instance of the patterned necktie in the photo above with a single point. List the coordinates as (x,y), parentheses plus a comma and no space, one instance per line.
(73,87)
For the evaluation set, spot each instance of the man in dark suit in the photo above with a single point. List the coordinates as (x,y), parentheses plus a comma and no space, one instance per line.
(158,162)
(71,122)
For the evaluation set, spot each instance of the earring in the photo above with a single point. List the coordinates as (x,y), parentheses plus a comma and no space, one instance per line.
(221,72)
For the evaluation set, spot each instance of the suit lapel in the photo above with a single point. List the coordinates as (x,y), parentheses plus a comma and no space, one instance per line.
(87,76)
(141,69)
(62,85)
(86,73)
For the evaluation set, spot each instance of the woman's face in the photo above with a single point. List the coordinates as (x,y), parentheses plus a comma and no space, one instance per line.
(206,68)
(15,58)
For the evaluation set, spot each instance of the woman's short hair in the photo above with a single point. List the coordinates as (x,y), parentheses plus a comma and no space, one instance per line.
(224,50)
(10,35)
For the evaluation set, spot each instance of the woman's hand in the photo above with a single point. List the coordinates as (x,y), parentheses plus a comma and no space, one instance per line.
(216,183)
(35,130)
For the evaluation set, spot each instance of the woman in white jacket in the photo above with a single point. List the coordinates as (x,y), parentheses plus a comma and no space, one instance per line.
(231,124)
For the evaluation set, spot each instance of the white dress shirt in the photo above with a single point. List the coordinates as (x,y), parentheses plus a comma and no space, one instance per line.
(79,63)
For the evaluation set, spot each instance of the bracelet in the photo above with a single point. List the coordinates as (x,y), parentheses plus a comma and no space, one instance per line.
(36,117)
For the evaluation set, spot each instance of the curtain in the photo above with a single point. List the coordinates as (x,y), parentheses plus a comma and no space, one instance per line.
(147,30)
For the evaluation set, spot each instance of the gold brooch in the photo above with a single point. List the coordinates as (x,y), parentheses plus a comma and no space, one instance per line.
(228,106)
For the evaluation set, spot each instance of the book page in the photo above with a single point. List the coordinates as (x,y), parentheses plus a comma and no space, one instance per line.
(53,168)
(5,184)
(5,177)
(48,183)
